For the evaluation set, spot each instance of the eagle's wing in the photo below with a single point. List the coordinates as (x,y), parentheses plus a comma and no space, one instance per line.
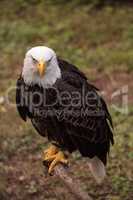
(74,78)
(98,122)
(21,99)
(70,69)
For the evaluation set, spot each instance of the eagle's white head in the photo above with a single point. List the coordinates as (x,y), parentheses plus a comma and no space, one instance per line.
(41,67)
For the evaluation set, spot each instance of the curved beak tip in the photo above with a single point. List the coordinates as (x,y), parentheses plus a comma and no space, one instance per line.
(41,68)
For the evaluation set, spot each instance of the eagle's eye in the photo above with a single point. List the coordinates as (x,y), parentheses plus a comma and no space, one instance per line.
(49,60)
(34,60)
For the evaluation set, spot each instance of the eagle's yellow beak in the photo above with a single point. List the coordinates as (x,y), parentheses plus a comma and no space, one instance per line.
(41,68)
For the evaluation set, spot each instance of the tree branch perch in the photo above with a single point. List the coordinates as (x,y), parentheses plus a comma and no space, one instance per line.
(72,184)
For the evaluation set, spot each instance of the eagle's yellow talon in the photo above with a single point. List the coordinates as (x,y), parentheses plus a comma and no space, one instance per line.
(49,158)
(52,156)
(49,154)
(59,158)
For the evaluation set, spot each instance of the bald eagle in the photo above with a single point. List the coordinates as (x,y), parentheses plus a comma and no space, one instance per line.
(64,107)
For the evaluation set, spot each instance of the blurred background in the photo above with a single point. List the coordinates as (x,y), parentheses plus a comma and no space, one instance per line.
(96,36)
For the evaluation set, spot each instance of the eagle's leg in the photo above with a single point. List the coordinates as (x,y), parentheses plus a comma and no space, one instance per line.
(49,153)
(57,158)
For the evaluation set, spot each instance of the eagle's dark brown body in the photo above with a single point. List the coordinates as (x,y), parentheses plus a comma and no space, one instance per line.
(72,122)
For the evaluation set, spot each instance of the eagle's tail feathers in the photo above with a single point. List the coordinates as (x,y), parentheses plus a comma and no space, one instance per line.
(97,169)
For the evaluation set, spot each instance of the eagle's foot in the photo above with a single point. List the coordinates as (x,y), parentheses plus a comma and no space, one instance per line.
(48,155)
(57,158)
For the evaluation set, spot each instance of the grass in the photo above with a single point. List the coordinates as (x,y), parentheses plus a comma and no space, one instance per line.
(78,34)
(99,42)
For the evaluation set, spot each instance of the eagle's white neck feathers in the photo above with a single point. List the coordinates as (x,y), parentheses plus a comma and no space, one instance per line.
(29,72)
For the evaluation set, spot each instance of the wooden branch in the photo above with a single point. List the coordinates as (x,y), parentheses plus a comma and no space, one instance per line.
(72,184)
